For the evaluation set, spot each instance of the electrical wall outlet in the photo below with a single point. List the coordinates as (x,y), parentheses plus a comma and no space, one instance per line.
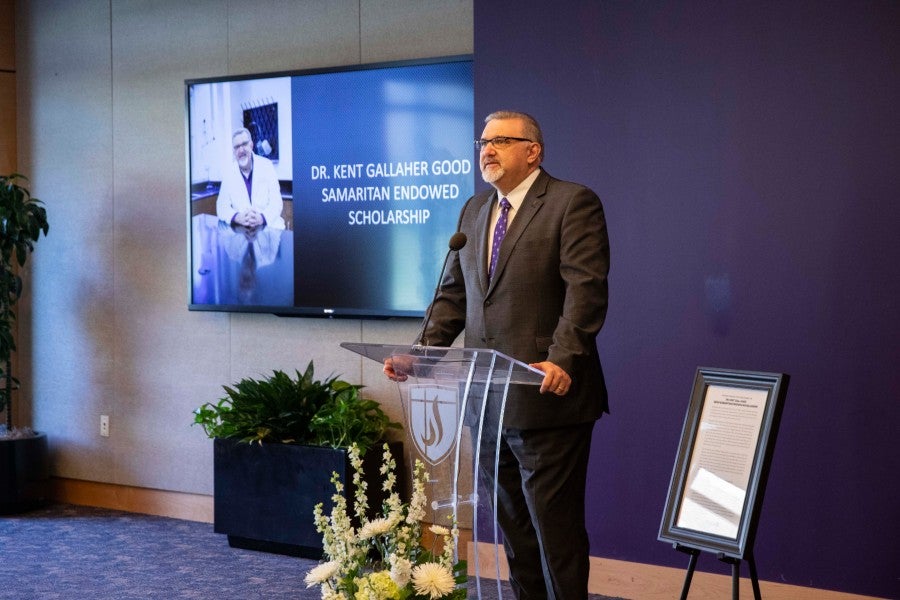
(104,425)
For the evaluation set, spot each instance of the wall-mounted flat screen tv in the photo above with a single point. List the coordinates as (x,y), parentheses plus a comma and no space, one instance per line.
(327,192)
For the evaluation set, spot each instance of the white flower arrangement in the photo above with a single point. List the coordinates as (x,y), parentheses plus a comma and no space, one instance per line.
(383,559)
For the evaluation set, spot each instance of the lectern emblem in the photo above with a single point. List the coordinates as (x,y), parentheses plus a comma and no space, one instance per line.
(433,420)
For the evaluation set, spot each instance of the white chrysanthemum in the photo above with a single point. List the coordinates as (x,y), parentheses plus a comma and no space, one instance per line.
(375,527)
(432,580)
(401,570)
(321,573)
(439,530)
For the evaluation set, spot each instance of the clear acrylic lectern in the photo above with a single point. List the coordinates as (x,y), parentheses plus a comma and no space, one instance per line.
(453,401)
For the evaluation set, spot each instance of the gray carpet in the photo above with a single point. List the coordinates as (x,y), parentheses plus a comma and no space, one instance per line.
(64,552)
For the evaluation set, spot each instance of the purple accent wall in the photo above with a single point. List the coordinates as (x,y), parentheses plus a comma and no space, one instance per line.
(748,156)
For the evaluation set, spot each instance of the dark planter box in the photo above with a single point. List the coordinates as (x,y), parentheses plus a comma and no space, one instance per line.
(24,473)
(264,495)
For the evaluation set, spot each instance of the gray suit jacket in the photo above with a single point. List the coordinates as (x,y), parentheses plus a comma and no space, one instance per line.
(547,300)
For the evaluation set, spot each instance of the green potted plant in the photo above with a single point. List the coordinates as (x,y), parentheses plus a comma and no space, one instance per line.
(24,466)
(277,440)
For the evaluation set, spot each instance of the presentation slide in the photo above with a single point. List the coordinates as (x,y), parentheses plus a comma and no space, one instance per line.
(359,175)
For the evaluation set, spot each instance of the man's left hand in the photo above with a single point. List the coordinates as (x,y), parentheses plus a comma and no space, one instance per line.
(555,381)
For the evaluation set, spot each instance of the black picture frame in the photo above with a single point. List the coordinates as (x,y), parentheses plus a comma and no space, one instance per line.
(720,473)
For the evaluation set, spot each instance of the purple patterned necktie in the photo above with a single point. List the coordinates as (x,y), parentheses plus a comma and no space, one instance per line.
(499,233)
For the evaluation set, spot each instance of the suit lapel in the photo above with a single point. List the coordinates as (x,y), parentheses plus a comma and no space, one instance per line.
(524,216)
(482,224)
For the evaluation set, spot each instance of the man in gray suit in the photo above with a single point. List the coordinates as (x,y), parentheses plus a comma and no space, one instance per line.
(532,283)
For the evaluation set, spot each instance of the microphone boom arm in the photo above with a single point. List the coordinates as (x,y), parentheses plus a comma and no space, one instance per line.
(457,242)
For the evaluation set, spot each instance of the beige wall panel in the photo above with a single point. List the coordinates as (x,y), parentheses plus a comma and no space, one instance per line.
(167,357)
(262,343)
(67,320)
(396,30)
(286,35)
(102,131)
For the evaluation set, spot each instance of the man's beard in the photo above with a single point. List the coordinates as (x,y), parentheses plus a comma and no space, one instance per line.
(493,174)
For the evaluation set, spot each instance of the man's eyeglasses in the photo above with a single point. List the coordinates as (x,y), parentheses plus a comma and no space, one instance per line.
(501,141)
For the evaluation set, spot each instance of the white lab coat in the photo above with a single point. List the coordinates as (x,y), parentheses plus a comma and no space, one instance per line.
(233,197)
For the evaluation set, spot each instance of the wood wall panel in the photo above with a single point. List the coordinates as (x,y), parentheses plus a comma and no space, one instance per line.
(7,37)
(7,122)
(7,87)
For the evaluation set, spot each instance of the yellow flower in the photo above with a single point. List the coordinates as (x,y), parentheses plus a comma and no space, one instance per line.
(439,530)
(432,580)
(376,585)
(321,573)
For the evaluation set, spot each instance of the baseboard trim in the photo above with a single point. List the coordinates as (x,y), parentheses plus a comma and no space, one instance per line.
(624,579)
(608,577)
(178,505)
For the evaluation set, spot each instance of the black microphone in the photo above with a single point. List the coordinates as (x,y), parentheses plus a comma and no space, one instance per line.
(457,241)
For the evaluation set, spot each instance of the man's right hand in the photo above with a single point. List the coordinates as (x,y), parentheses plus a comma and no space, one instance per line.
(398,367)
(249,218)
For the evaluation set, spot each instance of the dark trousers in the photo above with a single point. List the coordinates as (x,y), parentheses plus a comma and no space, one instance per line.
(540,509)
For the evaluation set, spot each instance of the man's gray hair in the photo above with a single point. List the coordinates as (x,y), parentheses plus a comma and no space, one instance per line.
(532,128)
(241,130)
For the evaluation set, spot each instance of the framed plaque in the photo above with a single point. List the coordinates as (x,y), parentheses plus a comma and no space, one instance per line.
(716,491)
